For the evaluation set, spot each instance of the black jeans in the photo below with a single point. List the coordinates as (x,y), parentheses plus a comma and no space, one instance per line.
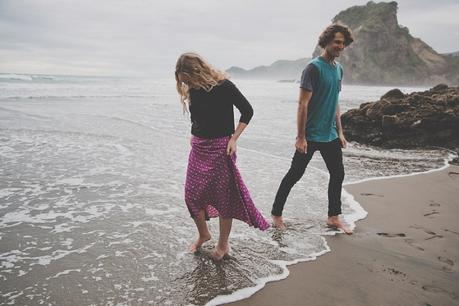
(333,157)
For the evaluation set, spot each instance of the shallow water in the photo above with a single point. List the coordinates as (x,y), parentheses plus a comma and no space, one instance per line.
(91,192)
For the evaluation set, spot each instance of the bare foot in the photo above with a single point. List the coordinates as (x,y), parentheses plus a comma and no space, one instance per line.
(198,243)
(279,223)
(220,252)
(335,223)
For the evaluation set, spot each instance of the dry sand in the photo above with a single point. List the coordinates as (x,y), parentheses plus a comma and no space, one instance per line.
(406,252)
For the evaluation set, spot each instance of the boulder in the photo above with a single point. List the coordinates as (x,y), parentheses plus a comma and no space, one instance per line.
(419,119)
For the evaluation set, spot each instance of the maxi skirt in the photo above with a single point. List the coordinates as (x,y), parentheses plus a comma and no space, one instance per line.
(213,183)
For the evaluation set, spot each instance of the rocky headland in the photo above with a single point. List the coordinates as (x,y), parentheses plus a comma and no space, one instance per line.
(383,53)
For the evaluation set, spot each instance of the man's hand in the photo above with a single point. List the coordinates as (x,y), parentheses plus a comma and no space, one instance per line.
(301,145)
(231,148)
(343,141)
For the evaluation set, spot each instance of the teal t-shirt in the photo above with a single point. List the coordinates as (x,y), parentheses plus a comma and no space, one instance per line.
(324,80)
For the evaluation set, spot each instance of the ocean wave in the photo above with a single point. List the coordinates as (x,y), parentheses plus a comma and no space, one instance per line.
(47,78)
(108,96)
(25,77)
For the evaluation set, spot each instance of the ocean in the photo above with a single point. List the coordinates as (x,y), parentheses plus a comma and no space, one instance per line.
(92,192)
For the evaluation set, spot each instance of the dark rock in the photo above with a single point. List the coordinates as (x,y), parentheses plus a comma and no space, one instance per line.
(389,122)
(363,105)
(376,110)
(440,87)
(393,94)
(420,119)
(455,161)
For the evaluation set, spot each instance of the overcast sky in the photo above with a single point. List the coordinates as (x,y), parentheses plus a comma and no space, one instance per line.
(145,37)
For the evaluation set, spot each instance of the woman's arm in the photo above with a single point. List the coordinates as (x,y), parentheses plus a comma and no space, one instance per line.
(246,110)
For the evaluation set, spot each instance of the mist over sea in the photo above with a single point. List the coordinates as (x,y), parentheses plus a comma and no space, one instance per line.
(92,183)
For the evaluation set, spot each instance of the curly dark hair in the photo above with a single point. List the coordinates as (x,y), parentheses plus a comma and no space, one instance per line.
(329,33)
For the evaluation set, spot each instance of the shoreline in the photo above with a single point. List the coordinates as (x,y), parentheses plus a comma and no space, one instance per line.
(262,294)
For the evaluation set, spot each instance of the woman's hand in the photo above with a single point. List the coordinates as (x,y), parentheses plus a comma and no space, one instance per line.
(231,148)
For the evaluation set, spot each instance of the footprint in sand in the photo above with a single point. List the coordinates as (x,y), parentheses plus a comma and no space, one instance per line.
(449,262)
(394,274)
(391,235)
(411,242)
(435,289)
(450,231)
(453,175)
(446,260)
(427,231)
(372,194)
(434,236)
(433,212)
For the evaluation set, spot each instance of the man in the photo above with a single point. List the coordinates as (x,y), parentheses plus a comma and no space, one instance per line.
(319,125)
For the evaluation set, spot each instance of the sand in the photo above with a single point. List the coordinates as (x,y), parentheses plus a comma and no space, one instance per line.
(405,252)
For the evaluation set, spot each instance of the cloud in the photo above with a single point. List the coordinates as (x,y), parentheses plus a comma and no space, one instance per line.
(143,37)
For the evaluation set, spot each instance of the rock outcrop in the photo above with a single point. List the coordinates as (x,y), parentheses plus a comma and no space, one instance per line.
(419,119)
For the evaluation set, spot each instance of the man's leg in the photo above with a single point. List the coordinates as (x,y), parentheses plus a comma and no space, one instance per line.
(296,171)
(333,157)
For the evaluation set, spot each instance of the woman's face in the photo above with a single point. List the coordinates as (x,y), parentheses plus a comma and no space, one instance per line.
(183,78)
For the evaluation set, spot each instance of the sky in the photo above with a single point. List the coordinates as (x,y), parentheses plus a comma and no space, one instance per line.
(145,37)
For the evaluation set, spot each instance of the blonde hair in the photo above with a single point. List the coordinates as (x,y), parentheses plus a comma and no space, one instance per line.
(199,74)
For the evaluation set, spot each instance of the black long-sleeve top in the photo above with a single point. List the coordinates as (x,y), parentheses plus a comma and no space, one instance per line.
(212,113)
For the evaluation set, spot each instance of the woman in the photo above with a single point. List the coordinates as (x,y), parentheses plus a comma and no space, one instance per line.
(213,185)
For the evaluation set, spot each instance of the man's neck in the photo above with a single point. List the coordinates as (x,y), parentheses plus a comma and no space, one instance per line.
(329,58)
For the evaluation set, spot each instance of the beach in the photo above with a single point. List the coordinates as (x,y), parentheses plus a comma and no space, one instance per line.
(91,192)
(405,252)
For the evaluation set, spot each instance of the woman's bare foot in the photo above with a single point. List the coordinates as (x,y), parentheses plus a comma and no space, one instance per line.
(278,223)
(220,252)
(336,223)
(198,243)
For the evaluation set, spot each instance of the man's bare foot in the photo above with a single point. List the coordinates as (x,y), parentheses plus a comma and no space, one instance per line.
(198,243)
(279,222)
(335,223)
(220,252)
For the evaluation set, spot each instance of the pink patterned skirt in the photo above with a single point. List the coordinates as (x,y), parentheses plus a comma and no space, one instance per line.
(214,183)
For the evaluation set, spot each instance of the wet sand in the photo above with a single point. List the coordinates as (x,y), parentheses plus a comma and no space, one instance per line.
(406,252)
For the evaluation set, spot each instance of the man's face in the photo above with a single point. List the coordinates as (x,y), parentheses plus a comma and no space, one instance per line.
(336,45)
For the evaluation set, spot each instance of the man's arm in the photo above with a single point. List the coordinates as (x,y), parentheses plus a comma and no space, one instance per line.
(340,128)
(302,115)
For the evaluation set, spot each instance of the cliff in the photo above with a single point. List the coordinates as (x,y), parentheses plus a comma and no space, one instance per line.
(383,53)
